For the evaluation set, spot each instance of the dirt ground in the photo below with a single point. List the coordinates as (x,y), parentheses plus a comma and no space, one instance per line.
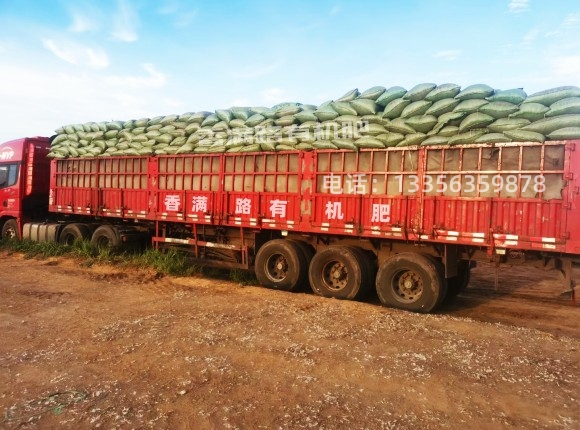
(108,347)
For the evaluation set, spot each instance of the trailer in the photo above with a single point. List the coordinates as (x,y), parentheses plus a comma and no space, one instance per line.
(408,222)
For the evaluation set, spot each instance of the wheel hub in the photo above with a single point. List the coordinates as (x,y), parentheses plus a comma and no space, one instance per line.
(335,276)
(409,286)
(277,267)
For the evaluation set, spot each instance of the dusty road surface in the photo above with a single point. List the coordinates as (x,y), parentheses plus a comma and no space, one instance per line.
(110,347)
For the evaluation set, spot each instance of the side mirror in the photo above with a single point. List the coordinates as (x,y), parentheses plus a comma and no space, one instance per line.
(3,177)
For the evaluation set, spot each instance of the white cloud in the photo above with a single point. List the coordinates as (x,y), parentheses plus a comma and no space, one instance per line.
(518,6)
(125,23)
(571,20)
(530,37)
(273,96)
(82,22)
(448,55)
(77,54)
(568,66)
(154,79)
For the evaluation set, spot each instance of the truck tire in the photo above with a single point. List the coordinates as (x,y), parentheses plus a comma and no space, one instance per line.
(458,283)
(340,272)
(10,230)
(308,253)
(281,265)
(70,233)
(412,282)
(106,237)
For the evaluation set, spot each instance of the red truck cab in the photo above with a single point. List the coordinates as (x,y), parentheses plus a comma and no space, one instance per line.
(24,183)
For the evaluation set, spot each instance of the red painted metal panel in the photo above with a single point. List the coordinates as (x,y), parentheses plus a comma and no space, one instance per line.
(279,210)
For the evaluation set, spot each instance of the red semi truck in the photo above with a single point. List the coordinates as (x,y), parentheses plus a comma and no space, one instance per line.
(409,222)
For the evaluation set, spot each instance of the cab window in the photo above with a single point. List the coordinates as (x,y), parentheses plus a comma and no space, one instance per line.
(8,175)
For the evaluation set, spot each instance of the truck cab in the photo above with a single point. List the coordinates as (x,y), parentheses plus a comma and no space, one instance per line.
(24,183)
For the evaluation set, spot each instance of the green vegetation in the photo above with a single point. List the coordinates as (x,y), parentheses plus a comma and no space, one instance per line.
(170,262)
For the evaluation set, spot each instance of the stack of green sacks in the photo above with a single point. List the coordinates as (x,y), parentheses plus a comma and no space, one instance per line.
(427,114)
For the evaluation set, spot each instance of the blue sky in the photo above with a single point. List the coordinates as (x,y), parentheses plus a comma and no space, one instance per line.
(72,61)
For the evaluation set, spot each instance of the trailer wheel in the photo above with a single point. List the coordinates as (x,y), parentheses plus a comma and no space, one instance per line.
(281,264)
(458,283)
(308,253)
(341,272)
(105,237)
(412,282)
(10,230)
(73,232)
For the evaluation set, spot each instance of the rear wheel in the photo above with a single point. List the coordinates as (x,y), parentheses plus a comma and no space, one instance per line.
(458,283)
(106,237)
(281,264)
(10,230)
(73,232)
(410,281)
(341,272)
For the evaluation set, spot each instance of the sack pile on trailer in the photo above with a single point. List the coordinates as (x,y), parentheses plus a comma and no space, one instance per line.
(426,114)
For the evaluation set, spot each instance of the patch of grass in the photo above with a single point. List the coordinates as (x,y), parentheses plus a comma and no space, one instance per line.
(243,277)
(170,262)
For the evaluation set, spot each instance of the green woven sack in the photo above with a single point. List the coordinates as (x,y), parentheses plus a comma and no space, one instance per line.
(349,96)
(419,92)
(199,117)
(547,97)
(285,120)
(395,108)
(306,115)
(373,129)
(514,96)
(492,138)
(422,123)
(564,106)
(344,108)
(531,111)
(448,131)
(210,120)
(324,144)
(254,120)
(326,113)
(524,136)
(364,106)
(477,91)
(369,142)
(466,138)
(372,93)
(470,105)
(390,95)
(442,106)
(288,110)
(435,140)
(399,126)
(498,109)
(413,139)
(565,133)
(345,144)
(416,108)
(242,113)
(504,124)
(393,139)
(224,115)
(443,91)
(475,120)
(549,125)
(166,120)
